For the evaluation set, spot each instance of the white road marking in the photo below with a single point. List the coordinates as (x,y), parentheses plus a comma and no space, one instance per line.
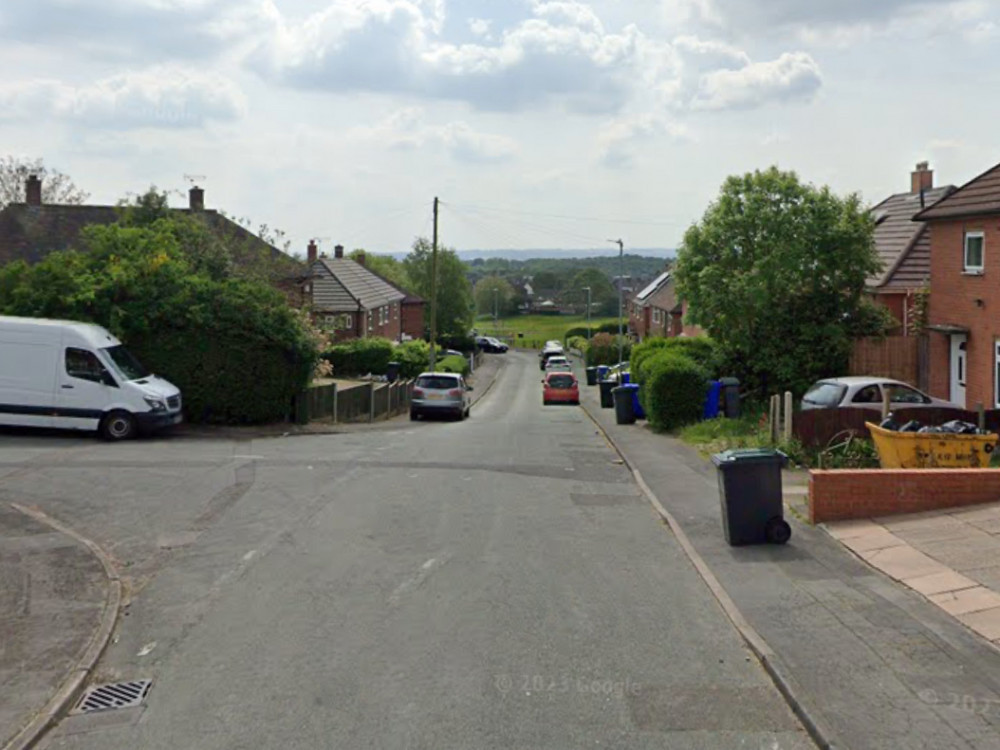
(413,582)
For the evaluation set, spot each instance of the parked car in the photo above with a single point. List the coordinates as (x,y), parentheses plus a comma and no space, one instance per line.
(77,376)
(615,371)
(440,393)
(451,353)
(558,363)
(547,353)
(560,388)
(491,345)
(863,391)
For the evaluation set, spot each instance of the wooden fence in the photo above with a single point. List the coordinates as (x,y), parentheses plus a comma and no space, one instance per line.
(900,357)
(365,402)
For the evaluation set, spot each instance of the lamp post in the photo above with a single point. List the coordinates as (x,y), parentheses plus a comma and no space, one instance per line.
(495,324)
(587,290)
(621,291)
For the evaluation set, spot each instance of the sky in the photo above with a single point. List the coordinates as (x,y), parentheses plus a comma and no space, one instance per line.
(537,124)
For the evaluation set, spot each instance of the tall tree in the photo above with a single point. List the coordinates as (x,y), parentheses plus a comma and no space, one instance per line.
(385,266)
(454,300)
(493,293)
(56,186)
(603,296)
(775,271)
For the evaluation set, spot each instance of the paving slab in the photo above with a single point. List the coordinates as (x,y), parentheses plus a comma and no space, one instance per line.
(965,554)
(938,583)
(964,601)
(985,622)
(875,540)
(903,562)
(848,529)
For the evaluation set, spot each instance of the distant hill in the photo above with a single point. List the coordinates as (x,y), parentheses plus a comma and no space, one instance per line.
(550,254)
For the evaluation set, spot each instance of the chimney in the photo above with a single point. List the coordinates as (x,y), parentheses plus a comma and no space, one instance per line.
(361,258)
(196,198)
(312,251)
(338,251)
(922,178)
(33,190)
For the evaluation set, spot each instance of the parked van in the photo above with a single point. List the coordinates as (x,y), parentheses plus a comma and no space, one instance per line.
(77,376)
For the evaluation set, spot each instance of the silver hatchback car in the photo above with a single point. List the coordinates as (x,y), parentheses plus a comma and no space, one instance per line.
(444,393)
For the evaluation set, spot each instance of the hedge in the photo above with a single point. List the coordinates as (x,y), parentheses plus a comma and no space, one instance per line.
(674,392)
(454,363)
(603,350)
(413,357)
(361,356)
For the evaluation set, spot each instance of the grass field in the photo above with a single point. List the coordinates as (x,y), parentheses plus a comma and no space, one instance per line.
(536,329)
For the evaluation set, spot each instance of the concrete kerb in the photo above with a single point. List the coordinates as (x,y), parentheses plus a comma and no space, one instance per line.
(820,732)
(480,394)
(73,684)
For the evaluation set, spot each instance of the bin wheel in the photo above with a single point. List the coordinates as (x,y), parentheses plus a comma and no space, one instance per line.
(777,531)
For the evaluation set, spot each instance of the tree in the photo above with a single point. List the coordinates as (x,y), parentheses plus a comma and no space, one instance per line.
(603,296)
(56,186)
(546,283)
(454,299)
(493,293)
(775,272)
(385,266)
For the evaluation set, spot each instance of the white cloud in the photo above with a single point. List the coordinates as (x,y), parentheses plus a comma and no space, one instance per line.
(480,26)
(793,76)
(406,129)
(619,140)
(163,97)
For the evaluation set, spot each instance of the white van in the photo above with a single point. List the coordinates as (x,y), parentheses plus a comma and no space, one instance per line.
(77,376)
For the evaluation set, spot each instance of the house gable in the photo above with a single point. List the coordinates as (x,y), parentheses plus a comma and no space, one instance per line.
(980,196)
(902,244)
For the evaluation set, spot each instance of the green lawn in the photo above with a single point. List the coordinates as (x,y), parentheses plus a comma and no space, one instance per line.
(536,329)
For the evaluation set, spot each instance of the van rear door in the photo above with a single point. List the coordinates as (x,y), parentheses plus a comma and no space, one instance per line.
(27,380)
(85,390)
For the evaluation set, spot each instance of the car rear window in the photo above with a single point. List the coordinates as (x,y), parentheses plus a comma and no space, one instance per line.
(561,381)
(825,394)
(436,382)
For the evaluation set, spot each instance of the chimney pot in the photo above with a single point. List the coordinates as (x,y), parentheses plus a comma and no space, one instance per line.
(338,251)
(361,258)
(196,198)
(33,190)
(922,178)
(312,251)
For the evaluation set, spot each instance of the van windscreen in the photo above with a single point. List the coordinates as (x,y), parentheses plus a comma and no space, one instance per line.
(127,365)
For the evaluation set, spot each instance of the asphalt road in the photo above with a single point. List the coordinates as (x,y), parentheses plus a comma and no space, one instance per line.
(494,583)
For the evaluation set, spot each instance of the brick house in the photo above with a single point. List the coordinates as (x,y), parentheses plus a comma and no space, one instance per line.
(657,311)
(32,230)
(964,315)
(352,300)
(904,246)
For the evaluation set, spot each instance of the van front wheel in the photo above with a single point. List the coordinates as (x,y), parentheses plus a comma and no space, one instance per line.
(117,425)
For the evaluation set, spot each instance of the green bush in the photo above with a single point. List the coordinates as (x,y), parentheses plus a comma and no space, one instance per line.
(673,394)
(641,353)
(574,332)
(413,357)
(577,342)
(603,350)
(700,349)
(454,363)
(361,357)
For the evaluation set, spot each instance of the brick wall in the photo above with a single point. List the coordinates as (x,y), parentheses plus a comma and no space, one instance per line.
(412,321)
(868,493)
(953,301)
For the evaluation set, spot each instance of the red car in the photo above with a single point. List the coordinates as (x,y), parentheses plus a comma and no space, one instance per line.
(560,388)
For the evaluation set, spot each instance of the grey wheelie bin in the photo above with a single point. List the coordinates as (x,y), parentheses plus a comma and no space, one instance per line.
(750,495)
(624,404)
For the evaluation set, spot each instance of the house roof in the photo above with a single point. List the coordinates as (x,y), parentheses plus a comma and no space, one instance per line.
(665,298)
(409,299)
(30,232)
(902,244)
(979,196)
(656,284)
(365,287)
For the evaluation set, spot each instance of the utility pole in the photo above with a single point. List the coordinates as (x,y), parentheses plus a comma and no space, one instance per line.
(495,292)
(587,290)
(621,293)
(434,285)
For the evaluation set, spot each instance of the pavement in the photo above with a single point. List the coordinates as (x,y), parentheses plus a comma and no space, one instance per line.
(866,662)
(57,590)
(498,582)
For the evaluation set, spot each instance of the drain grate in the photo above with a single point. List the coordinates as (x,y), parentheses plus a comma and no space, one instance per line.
(114,695)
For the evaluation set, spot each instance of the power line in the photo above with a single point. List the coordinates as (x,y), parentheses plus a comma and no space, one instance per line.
(646,222)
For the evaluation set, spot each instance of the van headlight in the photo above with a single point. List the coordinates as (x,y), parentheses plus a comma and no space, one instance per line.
(155,404)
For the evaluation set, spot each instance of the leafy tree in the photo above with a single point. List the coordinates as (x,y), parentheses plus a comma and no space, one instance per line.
(546,282)
(493,290)
(385,266)
(775,272)
(454,299)
(603,296)
(56,186)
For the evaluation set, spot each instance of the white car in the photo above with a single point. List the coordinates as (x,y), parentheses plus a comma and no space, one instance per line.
(558,363)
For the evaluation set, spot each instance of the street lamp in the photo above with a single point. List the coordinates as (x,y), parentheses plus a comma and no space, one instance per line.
(495,291)
(587,290)
(621,288)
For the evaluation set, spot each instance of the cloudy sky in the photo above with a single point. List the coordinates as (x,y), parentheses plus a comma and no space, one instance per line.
(538,124)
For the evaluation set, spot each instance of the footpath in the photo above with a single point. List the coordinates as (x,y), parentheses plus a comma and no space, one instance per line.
(57,607)
(867,663)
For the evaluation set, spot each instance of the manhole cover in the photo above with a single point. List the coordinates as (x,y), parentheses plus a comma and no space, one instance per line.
(114,695)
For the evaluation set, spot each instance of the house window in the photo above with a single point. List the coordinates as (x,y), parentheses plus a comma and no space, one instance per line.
(656,316)
(974,243)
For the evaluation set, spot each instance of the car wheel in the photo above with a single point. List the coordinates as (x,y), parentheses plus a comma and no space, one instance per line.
(468,412)
(117,425)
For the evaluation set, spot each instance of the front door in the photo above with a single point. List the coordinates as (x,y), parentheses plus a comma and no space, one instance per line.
(959,367)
